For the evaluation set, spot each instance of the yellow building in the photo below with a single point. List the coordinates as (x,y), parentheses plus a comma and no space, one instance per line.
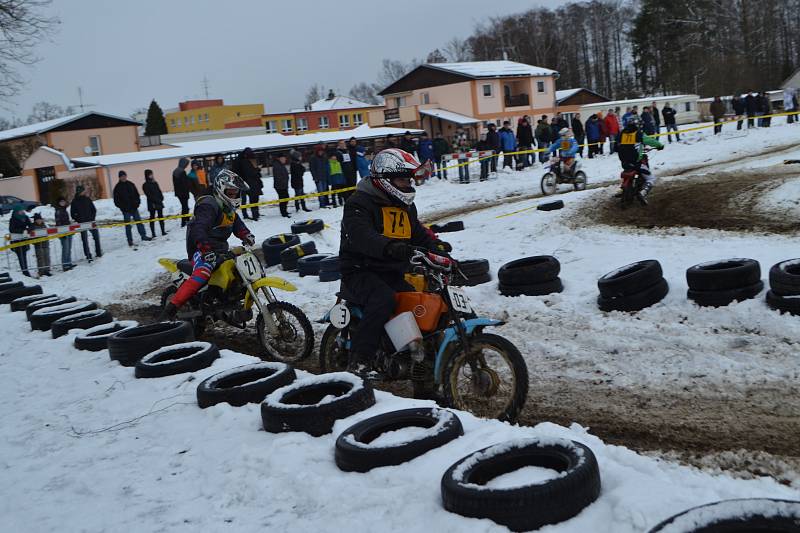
(204,115)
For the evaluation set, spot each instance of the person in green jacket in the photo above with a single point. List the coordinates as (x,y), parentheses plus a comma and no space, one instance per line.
(630,149)
(336,177)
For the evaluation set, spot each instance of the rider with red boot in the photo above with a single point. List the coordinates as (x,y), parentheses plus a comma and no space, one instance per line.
(214,219)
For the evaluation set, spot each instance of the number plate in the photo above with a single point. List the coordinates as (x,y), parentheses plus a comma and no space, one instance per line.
(249,267)
(339,316)
(459,300)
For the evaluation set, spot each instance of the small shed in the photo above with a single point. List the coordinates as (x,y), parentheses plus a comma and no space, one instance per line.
(685,106)
(792,81)
(569,101)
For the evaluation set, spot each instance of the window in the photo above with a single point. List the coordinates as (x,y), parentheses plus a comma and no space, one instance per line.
(426,98)
(540,87)
(271,126)
(286,125)
(401,101)
(302,124)
(172,122)
(191,120)
(180,122)
(688,106)
(323,123)
(487,90)
(358,119)
(94,144)
(206,116)
(344,121)
(199,119)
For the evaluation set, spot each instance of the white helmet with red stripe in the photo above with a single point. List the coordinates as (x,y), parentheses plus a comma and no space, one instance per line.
(394,163)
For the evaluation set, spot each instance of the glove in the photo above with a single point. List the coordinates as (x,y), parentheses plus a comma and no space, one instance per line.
(442,246)
(207,253)
(398,250)
(249,239)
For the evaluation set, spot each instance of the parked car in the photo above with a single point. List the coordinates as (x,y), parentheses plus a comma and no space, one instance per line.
(7,202)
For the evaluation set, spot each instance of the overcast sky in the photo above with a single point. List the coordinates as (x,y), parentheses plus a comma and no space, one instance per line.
(124,53)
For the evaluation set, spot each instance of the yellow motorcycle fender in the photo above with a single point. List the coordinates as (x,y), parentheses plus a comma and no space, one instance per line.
(273,282)
(223,276)
(171,265)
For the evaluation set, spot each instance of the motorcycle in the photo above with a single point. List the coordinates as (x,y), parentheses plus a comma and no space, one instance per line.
(453,359)
(632,182)
(235,287)
(554,177)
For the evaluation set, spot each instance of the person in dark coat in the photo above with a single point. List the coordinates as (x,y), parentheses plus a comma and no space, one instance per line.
(578,132)
(483,145)
(297,170)
(751,107)
(352,151)
(543,137)
(408,143)
(349,170)
(42,249)
(765,109)
(318,165)
(717,109)
(668,112)
(155,201)
(739,109)
(83,210)
(524,141)
(656,118)
(19,223)
(127,200)
(440,148)
(425,148)
(245,168)
(62,219)
(593,135)
(493,142)
(648,125)
(218,166)
(280,181)
(180,185)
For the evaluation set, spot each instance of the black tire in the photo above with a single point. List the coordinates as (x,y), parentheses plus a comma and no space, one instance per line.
(9,295)
(273,247)
(449,227)
(329,264)
(130,345)
(527,507)
(723,298)
(783,304)
(43,319)
(32,308)
(637,301)
(296,407)
(5,285)
(580,181)
(244,384)
(551,206)
(549,184)
(176,359)
(723,275)
(529,270)
(331,357)
(474,267)
(96,338)
(630,279)
(534,289)
(355,454)
(288,331)
(22,303)
(290,256)
(315,225)
(83,320)
(456,363)
(329,276)
(470,281)
(309,265)
(784,278)
(751,515)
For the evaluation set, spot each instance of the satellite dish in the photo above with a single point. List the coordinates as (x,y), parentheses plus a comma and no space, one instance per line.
(87,150)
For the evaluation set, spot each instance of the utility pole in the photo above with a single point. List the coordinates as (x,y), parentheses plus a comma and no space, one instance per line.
(205,85)
(80,99)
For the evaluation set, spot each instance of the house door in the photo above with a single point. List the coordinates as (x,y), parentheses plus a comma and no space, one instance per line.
(44,177)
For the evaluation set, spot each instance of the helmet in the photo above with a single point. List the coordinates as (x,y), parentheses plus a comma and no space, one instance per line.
(395,163)
(565,132)
(225,181)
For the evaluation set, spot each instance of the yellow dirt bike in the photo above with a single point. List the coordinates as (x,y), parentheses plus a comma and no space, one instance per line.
(237,285)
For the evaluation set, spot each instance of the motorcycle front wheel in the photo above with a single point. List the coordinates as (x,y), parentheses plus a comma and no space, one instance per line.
(294,339)
(580,181)
(549,184)
(491,381)
(332,358)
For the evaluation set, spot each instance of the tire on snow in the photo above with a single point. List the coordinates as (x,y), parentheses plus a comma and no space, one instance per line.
(43,319)
(244,384)
(784,304)
(529,270)
(177,359)
(22,303)
(32,308)
(355,453)
(128,346)
(784,278)
(725,297)
(96,338)
(82,320)
(534,289)
(304,405)
(309,265)
(314,225)
(290,256)
(637,301)
(9,295)
(723,275)
(527,507)
(746,515)
(273,247)
(630,279)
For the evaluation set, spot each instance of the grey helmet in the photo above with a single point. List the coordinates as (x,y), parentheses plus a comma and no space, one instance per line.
(227,180)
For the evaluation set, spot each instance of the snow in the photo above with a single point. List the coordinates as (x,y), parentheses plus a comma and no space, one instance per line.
(449,116)
(336,103)
(275,399)
(82,314)
(274,367)
(522,477)
(47,125)
(711,514)
(621,270)
(566,93)
(784,198)
(195,346)
(58,308)
(404,435)
(94,331)
(493,69)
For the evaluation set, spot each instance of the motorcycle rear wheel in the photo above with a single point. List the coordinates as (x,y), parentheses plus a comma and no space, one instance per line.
(490,382)
(332,358)
(579,182)
(295,338)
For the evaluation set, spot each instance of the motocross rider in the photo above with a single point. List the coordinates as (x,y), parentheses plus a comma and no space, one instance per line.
(379,230)
(567,147)
(630,149)
(213,221)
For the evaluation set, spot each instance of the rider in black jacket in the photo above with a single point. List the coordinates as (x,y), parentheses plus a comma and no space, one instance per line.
(379,230)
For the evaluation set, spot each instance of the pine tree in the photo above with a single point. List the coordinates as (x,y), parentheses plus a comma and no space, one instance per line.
(155,124)
(9,166)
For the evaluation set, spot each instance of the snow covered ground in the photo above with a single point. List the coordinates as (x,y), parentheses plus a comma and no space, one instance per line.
(75,445)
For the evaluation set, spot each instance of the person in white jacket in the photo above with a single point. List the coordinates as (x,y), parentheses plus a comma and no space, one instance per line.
(789,103)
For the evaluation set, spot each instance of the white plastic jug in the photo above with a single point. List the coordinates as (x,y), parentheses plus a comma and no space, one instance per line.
(402,330)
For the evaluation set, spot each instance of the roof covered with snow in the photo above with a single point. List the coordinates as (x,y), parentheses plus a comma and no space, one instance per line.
(649,99)
(264,141)
(48,125)
(337,102)
(566,93)
(449,116)
(493,69)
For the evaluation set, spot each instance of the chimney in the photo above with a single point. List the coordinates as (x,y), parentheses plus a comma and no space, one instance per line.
(331,96)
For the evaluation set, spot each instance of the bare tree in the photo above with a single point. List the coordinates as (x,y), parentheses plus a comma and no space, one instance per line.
(366,92)
(436,57)
(22,25)
(314,93)
(46,111)
(392,70)
(458,50)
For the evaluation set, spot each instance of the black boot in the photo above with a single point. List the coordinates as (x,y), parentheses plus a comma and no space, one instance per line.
(644,192)
(303,204)
(169,313)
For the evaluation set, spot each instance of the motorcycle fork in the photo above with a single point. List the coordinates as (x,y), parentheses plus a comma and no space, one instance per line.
(269,321)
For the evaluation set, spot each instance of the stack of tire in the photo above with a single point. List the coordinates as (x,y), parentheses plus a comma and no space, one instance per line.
(784,284)
(329,269)
(11,290)
(290,256)
(632,287)
(475,272)
(129,345)
(530,276)
(273,247)
(309,265)
(719,283)
(315,225)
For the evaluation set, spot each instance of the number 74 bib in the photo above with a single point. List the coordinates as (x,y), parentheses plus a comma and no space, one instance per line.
(396,224)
